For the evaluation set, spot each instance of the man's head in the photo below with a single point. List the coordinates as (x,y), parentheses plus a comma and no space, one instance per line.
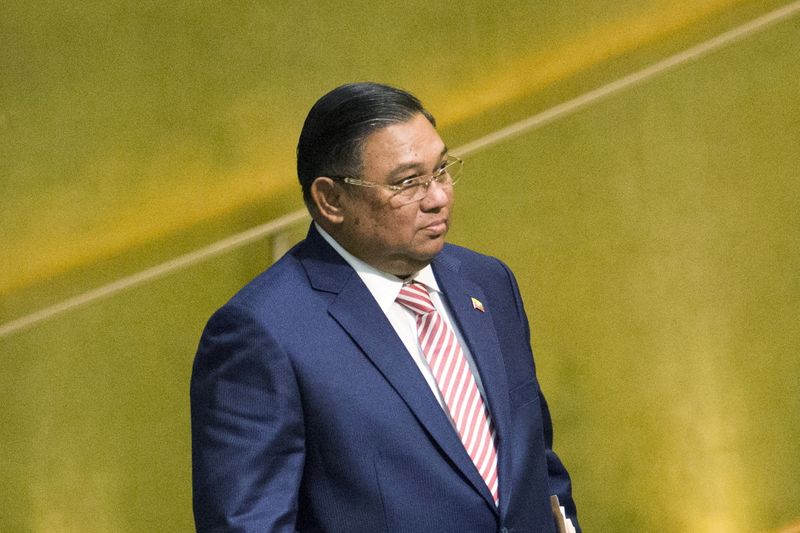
(339,123)
(357,140)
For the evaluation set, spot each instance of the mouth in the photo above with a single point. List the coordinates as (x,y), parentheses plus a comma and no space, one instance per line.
(437,227)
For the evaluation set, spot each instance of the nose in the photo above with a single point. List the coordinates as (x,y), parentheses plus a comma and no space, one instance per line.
(437,196)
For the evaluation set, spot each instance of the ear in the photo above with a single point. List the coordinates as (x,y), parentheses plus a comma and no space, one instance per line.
(327,197)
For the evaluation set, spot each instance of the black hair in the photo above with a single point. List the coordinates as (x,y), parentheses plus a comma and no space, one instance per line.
(340,122)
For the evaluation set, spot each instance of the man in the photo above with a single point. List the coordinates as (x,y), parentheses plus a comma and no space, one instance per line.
(374,379)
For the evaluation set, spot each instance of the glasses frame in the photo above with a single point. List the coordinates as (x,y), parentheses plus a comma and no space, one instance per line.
(419,181)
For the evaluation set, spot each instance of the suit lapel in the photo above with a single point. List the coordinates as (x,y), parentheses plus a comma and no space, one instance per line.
(477,329)
(358,313)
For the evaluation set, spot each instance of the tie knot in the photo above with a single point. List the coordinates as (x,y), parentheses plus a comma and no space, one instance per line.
(415,296)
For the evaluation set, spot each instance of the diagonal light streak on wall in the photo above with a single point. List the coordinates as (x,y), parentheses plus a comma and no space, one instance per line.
(524,126)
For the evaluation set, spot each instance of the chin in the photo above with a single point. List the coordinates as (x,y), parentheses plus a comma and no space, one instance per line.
(431,248)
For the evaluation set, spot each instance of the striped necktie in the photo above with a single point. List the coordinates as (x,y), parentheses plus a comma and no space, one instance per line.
(456,383)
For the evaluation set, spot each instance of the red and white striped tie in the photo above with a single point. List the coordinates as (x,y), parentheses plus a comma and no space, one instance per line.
(456,383)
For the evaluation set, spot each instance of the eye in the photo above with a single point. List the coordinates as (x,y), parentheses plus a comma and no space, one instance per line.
(408,182)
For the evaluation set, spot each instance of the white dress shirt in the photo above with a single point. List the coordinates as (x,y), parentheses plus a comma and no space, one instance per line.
(385,288)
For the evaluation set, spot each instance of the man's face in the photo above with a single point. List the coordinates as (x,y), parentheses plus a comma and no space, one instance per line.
(399,239)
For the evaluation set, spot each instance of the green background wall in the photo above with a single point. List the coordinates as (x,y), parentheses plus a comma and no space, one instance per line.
(655,233)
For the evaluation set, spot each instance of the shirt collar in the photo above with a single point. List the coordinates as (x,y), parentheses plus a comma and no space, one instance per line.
(384,286)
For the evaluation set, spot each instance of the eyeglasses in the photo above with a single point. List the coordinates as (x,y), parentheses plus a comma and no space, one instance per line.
(414,189)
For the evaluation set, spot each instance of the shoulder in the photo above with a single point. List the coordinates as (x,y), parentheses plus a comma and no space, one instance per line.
(267,314)
(279,281)
(278,298)
(301,284)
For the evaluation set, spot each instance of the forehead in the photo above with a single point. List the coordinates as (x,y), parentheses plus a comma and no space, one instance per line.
(414,143)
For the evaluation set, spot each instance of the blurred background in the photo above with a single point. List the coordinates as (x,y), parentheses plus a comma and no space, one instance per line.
(654,227)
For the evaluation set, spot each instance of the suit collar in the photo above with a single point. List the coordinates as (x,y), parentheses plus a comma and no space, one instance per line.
(327,271)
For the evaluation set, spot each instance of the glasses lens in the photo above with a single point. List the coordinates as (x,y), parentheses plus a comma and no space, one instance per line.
(448,176)
(411,194)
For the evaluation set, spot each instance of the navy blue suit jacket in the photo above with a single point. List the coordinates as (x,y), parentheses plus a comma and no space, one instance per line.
(308,414)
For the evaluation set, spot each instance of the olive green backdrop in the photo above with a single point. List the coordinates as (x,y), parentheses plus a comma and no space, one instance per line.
(655,233)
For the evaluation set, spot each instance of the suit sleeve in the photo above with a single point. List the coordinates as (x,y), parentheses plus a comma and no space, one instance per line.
(558,477)
(247,428)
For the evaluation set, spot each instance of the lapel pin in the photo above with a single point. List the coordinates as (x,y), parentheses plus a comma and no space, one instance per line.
(476,304)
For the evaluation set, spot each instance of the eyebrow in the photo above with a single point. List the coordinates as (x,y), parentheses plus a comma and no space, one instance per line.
(413,166)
